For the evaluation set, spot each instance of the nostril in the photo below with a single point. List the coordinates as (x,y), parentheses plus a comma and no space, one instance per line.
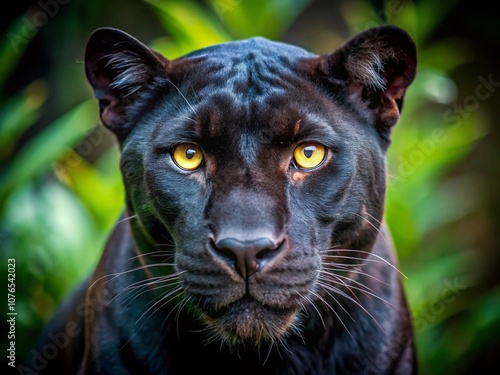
(246,256)
(226,253)
(263,254)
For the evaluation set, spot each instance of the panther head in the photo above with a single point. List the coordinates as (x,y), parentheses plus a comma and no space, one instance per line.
(259,163)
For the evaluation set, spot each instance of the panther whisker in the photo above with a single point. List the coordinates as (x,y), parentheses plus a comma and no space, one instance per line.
(381,259)
(127,297)
(327,280)
(269,350)
(333,310)
(276,342)
(125,219)
(362,290)
(311,303)
(281,341)
(182,95)
(152,281)
(362,260)
(328,287)
(134,334)
(296,329)
(161,301)
(335,267)
(371,224)
(337,248)
(135,269)
(169,240)
(152,254)
(318,296)
(322,283)
(223,342)
(144,289)
(213,337)
(378,221)
(360,284)
(178,306)
(328,276)
(331,277)
(304,309)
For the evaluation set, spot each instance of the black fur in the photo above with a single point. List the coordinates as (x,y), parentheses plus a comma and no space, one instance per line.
(249,263)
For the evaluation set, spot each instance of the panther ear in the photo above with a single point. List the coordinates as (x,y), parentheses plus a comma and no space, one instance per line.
(377,66)
(118,66)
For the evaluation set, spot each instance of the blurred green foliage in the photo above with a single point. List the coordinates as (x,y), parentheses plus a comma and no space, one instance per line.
(57,207)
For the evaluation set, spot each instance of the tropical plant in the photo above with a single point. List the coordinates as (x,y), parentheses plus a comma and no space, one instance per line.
(57,206)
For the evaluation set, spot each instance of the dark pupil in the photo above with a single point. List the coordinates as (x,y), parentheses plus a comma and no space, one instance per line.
(190,153)
(308,151)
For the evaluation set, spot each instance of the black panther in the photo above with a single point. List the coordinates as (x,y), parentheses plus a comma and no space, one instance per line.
(253,240)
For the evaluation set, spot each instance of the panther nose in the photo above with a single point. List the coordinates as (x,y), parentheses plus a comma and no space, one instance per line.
(247,256)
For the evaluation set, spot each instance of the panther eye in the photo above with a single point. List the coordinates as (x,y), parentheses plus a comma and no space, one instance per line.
(187,156)
(309,155)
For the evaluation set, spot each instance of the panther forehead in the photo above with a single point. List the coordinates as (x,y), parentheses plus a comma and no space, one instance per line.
(251,69)
(257,45)
(250,85)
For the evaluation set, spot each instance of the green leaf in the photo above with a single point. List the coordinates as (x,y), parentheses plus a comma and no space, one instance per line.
(250,18)
(430,15)
(12,47)
(190,25)
(100,191)
(19,113)
(37,156)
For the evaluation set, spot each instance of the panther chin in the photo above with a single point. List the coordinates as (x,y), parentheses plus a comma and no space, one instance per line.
(248,321)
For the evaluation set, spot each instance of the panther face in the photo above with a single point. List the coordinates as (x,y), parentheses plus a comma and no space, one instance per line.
(257,163)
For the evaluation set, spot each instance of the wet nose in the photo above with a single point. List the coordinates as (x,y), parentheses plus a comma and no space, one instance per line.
(247,256)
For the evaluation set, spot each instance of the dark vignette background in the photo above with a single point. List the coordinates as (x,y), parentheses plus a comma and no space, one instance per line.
(458,338)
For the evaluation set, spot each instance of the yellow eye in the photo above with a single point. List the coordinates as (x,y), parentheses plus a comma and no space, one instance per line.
(188,156)
(309,155)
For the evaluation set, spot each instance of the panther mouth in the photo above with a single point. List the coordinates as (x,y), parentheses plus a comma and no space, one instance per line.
(249,321)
